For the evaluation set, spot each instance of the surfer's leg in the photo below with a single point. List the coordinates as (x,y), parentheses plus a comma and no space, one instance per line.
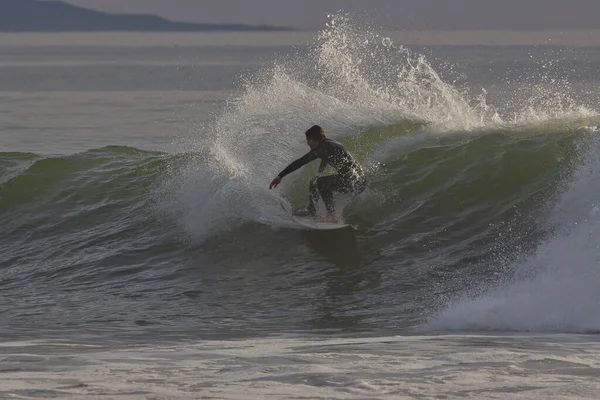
(326,186)
(359,185)
(313,198)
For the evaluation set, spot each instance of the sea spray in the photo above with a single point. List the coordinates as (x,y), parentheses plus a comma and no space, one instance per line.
(350,80)
(260,130)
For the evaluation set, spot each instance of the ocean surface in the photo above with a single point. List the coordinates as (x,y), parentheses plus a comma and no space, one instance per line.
(142,255)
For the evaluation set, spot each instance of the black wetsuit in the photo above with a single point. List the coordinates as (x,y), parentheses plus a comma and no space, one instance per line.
(350,177)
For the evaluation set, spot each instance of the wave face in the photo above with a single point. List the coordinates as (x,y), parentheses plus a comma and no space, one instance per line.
(479,215)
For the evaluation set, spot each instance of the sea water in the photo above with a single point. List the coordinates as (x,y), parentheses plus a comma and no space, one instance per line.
(142,254)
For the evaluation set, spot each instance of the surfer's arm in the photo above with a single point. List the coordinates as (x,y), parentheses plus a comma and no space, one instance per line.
(308,157)
(305,159)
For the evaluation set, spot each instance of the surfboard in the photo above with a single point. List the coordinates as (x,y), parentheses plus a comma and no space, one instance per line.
(314,223)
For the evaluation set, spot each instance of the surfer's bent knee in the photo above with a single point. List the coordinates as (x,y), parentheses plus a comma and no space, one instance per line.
(360,186)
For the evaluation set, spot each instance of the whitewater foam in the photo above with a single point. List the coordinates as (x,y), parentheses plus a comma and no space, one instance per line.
(555,289)
(452,367)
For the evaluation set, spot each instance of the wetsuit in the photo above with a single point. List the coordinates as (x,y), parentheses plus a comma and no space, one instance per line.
(350,177)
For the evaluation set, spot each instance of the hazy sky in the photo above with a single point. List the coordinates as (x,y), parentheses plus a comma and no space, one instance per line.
(397,14)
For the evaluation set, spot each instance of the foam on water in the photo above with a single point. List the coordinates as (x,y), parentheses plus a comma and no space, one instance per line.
(556,288)
(451,367)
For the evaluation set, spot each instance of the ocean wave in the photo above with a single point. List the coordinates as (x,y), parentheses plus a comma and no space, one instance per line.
(461,204)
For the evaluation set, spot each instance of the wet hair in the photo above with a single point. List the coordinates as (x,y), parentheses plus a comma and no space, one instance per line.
(315,132)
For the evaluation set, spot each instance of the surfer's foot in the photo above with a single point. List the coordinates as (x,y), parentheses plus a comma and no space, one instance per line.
(330,218)
(303,212)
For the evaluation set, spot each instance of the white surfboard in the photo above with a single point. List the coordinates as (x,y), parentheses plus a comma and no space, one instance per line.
(314,223)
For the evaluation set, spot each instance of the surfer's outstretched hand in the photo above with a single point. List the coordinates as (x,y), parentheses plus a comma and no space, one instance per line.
(275,182)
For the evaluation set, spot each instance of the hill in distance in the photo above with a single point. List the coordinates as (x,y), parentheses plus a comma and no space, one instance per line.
(58,16)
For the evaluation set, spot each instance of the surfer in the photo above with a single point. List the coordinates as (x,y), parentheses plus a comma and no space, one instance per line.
(350,177)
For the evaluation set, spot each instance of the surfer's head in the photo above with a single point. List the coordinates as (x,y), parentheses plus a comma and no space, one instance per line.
(314,135)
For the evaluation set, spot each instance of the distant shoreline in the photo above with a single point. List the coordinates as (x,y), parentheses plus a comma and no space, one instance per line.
(34,16)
